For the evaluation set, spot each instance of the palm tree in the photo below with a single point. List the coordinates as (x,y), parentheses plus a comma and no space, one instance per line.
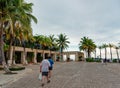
(116,47)
(53,41)
(100,47)
(13,11)
(105,47)
(30,43)
(95,53)
(110,46)
(44,41)
(4,17)
(87,45)
(21,17)
(47,43)
(62,42)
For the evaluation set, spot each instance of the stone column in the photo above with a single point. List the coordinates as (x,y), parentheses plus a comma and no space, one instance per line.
(43,55)
(49,54)
(54,56)
(23,57)
(35,57)
(11,56)
(67,56)
(76,56)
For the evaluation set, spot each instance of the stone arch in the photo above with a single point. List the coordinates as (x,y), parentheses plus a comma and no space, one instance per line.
(79,56)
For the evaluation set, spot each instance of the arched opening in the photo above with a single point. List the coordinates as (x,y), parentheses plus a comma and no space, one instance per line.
(39,57)
(18,57)
(64,57)
(72,57)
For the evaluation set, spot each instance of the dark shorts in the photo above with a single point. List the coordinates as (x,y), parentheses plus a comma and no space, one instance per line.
(50,68)
(44,73)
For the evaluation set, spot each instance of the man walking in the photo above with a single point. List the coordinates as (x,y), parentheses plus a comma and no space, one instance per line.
(51,66)
(44,69)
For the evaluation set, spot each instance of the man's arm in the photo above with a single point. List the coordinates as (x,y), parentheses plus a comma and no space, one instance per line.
(49,64)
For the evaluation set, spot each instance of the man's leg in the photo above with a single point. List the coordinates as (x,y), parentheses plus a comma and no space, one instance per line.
(49,75)
(43,80)
(48,80)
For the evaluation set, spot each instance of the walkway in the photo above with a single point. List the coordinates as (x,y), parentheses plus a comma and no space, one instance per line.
(73,75)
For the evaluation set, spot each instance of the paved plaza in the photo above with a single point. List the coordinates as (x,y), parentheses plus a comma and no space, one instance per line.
(72,75)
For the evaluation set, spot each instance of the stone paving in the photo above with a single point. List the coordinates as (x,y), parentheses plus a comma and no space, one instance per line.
(73,75)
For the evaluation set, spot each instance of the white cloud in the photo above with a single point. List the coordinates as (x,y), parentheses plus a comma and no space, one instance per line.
(96,19)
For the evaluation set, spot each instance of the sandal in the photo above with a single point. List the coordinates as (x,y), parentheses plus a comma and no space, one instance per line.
(48,81)
(42,84)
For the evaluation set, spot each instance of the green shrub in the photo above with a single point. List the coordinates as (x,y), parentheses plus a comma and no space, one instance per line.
(30,56)
(114,60)
(16,68)
(29,60)
(89,59)
(97,60)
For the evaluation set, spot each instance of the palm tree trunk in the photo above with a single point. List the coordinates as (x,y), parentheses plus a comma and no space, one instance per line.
(86,53)
(10,52)
(10,56)
(2,57)
(95,54)
(105,53)
(100,53)
(111,53)
(89,56)
(61,52)
(117,54)
(13,59)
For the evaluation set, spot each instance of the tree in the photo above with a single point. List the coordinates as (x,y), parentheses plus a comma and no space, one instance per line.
(62,42)
(110,46)
(100,47)
(13,11)
(38,41)
(4,16)
(95,53)
(116,47)
(44,41)
(20,13)
(105,47)
(53,41)
(87,45)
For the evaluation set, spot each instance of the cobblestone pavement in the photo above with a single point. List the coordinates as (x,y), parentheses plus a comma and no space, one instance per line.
(73,75)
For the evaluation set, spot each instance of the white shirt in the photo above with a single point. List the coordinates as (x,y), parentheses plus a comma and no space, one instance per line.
(45,65)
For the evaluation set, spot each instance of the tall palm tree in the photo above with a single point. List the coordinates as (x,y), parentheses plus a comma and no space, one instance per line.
(47,43)
(53,41)
(87,45)
(4,16)
(110,46)
(12,11)
(116,47)
(105,47)
(38,39)
(44,41)
(95,53)
(100,47)
(20,14)
(62,42)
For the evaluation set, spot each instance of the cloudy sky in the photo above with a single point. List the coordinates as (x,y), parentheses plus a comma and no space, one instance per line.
(96,19)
